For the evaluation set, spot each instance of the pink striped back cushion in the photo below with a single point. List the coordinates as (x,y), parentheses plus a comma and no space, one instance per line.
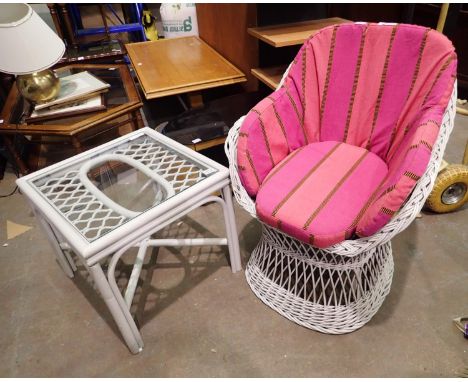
(270,132)
(408,162)
(379,87)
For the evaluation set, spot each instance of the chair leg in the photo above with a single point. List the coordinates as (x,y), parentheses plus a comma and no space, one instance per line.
(316,289)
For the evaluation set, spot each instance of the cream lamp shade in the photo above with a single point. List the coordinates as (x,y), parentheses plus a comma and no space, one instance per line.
(27,43)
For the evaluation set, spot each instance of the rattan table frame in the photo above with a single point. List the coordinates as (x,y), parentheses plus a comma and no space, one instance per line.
(136,232)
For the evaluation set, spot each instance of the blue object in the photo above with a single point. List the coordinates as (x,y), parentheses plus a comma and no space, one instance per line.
(133,26)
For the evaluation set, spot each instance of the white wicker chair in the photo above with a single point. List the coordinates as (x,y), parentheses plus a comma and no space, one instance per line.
(337,289)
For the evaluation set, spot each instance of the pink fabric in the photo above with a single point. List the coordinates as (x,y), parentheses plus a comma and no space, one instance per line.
(373,60)
(382,88)
(435,52)
(259,149)
(348,41)
(397,86)
(317,194)
(412,156)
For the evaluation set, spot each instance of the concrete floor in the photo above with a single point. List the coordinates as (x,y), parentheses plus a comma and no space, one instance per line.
(198,319)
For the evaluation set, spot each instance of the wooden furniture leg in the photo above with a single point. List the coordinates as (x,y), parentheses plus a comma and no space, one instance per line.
(76,144)
(134,122)
(55,19)
(68,25)
(195,100)
(22,169)
(3,164)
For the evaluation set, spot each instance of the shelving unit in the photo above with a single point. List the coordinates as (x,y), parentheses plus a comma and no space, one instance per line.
(270,76)
(283,35)
(293,33)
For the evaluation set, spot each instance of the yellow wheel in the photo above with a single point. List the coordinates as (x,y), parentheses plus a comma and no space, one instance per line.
(450,189)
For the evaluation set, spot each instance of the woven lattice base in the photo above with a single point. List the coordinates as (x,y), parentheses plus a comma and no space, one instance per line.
(316,289)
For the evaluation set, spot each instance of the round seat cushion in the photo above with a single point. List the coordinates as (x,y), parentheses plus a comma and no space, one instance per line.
(319,192)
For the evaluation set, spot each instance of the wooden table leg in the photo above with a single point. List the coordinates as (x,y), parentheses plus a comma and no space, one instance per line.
(23,170)
(55,19)
(3,164)
(76,144)
(140,121)
(135,120)
(195,100)
(68,24)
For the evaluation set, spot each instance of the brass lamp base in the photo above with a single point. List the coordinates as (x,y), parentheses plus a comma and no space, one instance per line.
(39,87)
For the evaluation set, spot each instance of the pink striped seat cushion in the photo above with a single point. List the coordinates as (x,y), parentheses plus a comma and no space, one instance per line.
(319,192)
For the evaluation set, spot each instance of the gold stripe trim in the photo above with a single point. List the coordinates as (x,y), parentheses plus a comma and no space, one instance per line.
(304,60)
(293,103)
(327,77)
(265,136)
(411,175)
(413,82)
(334,190)
(418,63)
(279,167)
(249,158)
(382,86)
(442,69)
(365,207)
(355,83)
(303,180)
(280,122)
(389,189)
(387,211)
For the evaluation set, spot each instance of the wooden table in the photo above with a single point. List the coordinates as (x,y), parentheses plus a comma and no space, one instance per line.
(180,65)
(122,101)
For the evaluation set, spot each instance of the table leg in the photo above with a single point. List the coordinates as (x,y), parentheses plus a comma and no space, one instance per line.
(121,316)
(54,242)
(138,119)
(23,170)
(134,120)
(68,25)
(55,19)
(76,144)
(231,230)
(195,100)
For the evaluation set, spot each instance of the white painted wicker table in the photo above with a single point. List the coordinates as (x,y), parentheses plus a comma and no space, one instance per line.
(107,200)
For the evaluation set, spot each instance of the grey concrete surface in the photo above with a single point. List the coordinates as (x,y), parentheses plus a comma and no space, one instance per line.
(198,319)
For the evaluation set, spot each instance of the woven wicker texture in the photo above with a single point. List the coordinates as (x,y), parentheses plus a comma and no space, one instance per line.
(336,289)
(88,214)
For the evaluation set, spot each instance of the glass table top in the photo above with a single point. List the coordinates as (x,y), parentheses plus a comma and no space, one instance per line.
(100,192)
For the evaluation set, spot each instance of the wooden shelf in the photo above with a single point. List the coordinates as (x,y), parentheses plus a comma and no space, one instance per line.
(292,34)
(270,76)
(207,144)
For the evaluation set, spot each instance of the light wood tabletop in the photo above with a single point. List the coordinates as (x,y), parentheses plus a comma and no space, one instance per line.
(180,65)
(292,34)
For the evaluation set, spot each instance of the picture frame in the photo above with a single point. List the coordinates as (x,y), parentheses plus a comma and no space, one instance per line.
(91,104)
(75,86)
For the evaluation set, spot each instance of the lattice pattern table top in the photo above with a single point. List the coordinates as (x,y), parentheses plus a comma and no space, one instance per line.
(93,218)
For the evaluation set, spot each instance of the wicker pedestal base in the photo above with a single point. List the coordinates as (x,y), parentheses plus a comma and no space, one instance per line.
(316,289)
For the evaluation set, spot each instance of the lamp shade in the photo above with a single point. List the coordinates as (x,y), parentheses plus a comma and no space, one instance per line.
(27,43)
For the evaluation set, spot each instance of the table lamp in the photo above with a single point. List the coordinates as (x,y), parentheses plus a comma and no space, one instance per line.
(28,47)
